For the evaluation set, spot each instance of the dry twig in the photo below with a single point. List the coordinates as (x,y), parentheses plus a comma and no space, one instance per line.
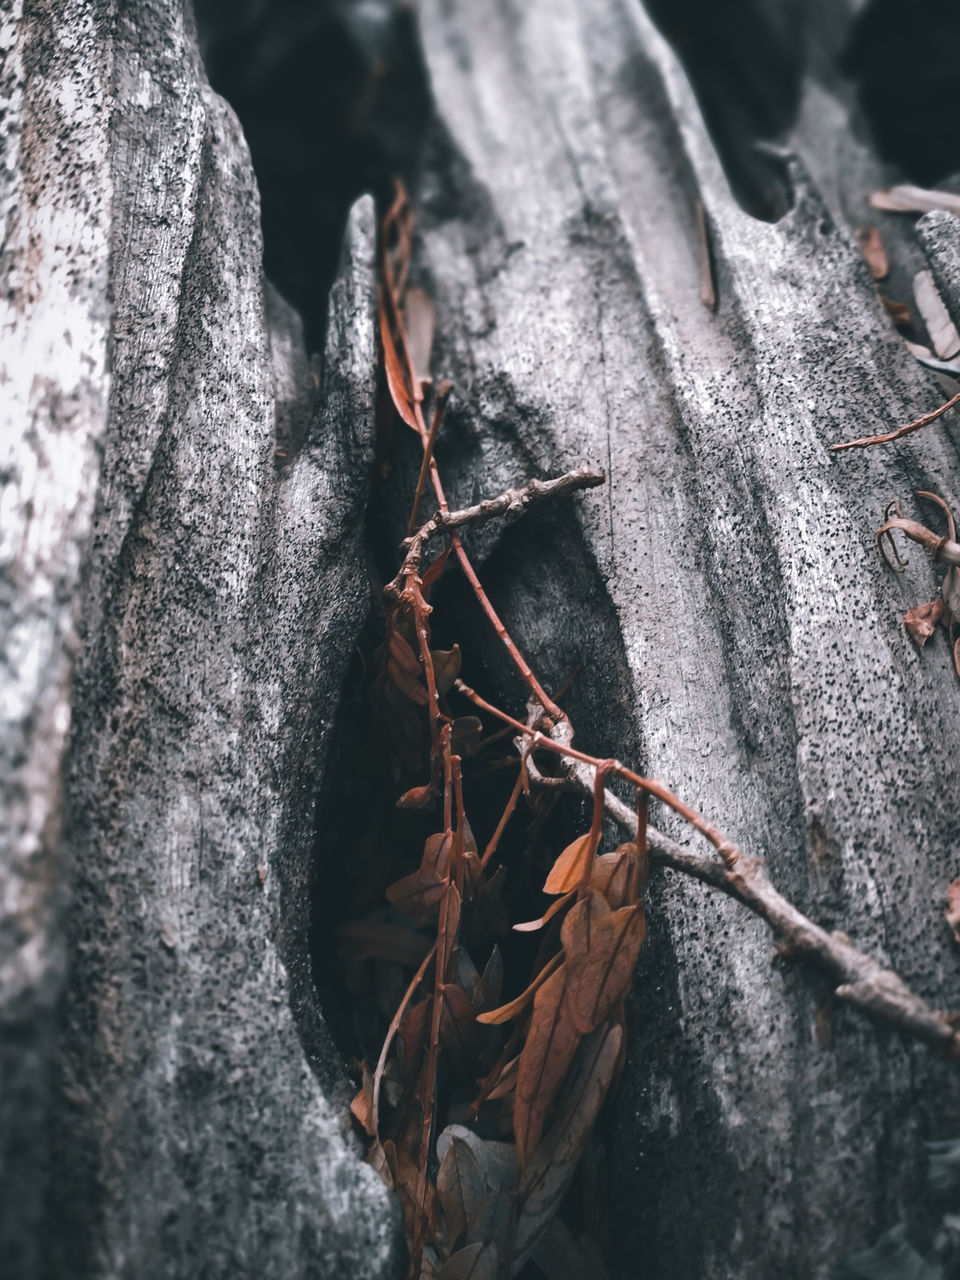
(900,431)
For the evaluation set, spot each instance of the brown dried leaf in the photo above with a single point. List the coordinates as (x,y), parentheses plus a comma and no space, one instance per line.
(491,981)
(510,1010)
(412,1037)
(551,1042)
(418,893)
(618,875)
(872,249)
(953,908)
(446,667)
(474,1262)
(531,926)
(609,946)
(362,1103)
(580,926)
(418,797)
(568,870)
(899,312)
(458,1030)
(506,1081)
(433,573)
(398,380)
(460,1185)
(921,621)
(548,1174)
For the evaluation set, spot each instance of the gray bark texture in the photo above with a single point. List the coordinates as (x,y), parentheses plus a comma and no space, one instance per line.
(182,582)
(735,632)
(187,1115)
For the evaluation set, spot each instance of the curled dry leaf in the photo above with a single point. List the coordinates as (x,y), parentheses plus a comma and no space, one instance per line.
(908,199)
(395,366)
(531,926)
(510,1010)
(921,621)
(551,1042)
(953,908)
(568,870)
(872,249)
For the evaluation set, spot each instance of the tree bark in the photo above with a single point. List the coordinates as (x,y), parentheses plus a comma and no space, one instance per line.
(179,491)
(734,631)
(183,580)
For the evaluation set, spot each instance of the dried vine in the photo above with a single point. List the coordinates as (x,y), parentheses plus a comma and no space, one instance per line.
(520,1083)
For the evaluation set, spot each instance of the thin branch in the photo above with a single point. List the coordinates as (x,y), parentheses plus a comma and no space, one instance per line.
(900,431)
(861,980)
(512,502)
(439,406)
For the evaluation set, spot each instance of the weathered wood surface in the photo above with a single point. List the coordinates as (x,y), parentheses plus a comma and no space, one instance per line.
(197,1118)
(736,632)
(736,635)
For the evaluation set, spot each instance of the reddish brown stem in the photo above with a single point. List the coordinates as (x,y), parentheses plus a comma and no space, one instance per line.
(596,824)
(727,850)
(439,405)
(505,817)
(900,431)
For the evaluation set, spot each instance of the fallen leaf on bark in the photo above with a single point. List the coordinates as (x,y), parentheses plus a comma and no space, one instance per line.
(921,621)
(871,246)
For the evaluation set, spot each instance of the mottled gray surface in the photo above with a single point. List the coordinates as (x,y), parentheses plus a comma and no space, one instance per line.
(939,233)
(737,634)
(198,1123)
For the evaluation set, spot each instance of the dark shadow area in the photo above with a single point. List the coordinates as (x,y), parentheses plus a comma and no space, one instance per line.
(745,61)
(903,56)
(333,99)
